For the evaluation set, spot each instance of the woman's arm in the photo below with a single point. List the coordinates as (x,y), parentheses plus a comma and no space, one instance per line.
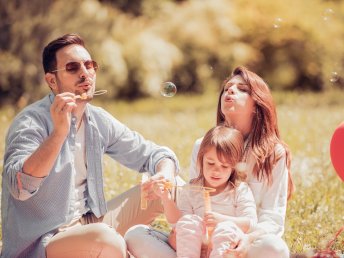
(246,210)
(193,164)
(273,205)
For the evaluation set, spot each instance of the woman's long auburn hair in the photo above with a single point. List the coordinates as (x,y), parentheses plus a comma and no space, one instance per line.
(265,134)
(228,143)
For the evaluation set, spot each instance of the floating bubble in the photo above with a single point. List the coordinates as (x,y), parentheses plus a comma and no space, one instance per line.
(241,168)
(278,23)
(334,77)
(328,14)
(168,89)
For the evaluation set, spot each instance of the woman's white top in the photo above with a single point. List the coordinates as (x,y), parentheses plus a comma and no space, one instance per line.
(271,200)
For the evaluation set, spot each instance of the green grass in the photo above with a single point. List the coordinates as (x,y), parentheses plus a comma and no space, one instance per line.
(307,121)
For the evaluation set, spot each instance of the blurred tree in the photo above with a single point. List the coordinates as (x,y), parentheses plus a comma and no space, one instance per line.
(299,45)
(133,7)
(19,51)
(140,44)
(137,7)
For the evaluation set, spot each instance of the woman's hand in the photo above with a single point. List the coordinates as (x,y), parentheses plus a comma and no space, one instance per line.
(240,251)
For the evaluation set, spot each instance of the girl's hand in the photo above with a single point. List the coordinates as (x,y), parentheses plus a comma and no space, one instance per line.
(211,219)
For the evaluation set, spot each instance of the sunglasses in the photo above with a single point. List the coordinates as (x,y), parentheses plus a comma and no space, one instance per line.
(74,67)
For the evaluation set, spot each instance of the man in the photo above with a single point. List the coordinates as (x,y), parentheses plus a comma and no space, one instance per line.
(52,189)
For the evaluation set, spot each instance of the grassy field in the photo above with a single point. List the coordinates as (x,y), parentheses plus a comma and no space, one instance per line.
(307,121)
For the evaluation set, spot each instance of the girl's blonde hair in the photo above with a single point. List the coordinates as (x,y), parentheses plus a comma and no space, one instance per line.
(228,143)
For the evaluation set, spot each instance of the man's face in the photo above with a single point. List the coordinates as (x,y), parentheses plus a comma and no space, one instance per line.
(79,81)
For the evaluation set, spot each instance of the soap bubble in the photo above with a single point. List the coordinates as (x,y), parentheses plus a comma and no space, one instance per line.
(277,23)
(334,77)
(168,89)
(328,14)
(241,168)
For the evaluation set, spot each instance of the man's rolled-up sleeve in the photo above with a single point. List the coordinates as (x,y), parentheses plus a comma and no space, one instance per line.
(23,138)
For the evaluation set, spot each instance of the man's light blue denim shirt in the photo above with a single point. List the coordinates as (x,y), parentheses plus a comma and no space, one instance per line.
(34,208)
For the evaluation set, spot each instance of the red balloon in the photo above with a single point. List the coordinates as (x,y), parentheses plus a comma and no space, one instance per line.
(337,150)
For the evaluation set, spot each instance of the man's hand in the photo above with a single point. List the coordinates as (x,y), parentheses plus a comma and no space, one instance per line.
(172,239)
(60,111)
(154,188)
(167,169)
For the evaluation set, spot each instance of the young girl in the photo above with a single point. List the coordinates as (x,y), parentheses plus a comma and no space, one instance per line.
(233,207)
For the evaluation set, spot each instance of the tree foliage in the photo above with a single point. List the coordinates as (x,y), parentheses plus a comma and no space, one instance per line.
(140,44)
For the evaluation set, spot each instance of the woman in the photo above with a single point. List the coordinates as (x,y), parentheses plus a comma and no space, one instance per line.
(246,104)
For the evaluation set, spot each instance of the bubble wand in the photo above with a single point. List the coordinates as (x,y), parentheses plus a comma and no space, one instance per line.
(84,95)
(144,200)
(170,186)
(208,230)
(207,207)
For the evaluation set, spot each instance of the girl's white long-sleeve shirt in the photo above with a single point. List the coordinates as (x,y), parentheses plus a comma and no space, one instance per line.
(271,199)
(235,202)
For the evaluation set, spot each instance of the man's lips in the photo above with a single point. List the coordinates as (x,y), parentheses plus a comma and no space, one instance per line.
(85,83)
(85,86)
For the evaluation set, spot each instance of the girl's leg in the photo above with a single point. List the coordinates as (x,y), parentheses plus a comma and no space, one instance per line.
(91,241)
(145,242)
(189,230)
(268,246)
(226,234)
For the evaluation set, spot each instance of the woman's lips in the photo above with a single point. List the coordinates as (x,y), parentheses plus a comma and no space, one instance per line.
(228,98)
